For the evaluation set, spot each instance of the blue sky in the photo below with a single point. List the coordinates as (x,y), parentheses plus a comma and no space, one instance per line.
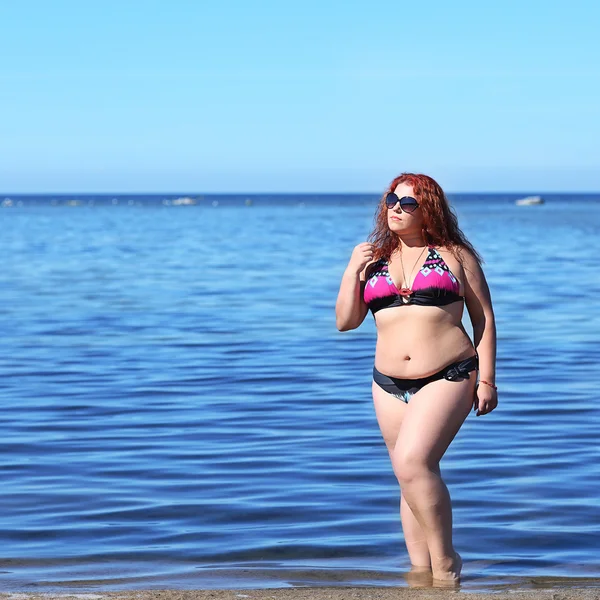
(263,96)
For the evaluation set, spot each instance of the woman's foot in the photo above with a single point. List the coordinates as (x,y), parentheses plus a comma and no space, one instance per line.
(447,570)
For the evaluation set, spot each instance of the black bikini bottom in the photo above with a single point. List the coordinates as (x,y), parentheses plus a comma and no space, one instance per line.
(403,389)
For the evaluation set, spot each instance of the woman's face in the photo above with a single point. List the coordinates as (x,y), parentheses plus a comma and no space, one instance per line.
(400,221)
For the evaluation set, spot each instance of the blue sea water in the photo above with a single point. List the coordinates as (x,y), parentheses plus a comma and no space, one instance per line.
(179,409)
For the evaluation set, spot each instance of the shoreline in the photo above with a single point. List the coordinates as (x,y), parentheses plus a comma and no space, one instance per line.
(413,585)
(559,592)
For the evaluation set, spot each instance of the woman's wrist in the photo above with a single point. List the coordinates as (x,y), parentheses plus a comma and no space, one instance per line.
(352,273)
(488,383)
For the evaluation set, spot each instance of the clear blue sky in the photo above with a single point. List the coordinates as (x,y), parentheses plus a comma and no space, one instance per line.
(269,96)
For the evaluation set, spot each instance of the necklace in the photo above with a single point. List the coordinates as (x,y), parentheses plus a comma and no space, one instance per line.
(406,291)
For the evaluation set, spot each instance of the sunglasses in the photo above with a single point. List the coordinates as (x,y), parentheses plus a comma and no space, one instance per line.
(407,203)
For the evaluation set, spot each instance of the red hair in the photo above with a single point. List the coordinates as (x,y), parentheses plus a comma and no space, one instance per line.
(440,225)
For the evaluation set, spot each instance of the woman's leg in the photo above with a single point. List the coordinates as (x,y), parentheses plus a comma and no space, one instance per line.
(431,420)
(390,412)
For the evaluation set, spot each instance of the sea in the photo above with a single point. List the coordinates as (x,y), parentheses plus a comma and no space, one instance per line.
(180,411)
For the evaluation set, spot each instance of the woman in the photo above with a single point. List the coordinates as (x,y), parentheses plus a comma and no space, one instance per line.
(415,274)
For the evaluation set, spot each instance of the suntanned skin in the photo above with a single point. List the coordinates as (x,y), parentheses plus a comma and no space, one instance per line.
(416,341)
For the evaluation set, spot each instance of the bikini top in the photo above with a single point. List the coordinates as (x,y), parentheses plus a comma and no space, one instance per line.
(434,285)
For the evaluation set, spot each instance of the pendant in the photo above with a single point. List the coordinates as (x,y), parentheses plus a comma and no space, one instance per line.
(406,292)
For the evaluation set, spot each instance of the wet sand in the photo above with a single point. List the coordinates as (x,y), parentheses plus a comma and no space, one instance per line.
(319,593)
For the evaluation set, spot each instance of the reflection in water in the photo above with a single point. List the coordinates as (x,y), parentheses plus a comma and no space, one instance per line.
(419,577)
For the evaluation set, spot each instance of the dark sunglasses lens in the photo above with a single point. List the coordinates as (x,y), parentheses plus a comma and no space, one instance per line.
(391,200)
(408,205)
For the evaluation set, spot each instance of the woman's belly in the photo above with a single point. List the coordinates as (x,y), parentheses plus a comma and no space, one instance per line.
(416,341)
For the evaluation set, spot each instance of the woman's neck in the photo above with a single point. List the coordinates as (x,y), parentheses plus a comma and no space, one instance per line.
(410,241)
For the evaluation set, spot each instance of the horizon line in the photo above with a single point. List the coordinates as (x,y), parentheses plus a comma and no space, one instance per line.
(288,193)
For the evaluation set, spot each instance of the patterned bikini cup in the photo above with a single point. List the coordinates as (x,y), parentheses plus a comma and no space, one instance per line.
(434,276)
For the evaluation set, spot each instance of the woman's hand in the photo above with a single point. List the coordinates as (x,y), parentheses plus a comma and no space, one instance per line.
(486,399)
(361,256)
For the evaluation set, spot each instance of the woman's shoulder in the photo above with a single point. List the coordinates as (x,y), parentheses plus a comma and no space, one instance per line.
(458,252)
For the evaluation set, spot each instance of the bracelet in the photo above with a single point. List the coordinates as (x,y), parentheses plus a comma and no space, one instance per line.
(488,383)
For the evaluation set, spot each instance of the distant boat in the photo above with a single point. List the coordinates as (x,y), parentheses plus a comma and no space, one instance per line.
(7,202)
(183,202)
(529,200)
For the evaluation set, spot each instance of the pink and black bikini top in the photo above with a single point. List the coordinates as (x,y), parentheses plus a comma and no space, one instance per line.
(434,285)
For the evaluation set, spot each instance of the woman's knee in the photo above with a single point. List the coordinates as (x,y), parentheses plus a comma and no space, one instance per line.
(409,466)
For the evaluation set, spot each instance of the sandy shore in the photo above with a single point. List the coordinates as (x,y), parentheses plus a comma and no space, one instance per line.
(320,593)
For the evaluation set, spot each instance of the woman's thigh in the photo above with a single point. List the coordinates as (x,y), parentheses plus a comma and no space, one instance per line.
(389,411)
(432,419)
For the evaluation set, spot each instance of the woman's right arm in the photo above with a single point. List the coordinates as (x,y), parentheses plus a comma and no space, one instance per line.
(350,308)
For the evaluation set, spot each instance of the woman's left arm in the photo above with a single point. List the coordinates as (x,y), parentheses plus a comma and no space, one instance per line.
(479,305)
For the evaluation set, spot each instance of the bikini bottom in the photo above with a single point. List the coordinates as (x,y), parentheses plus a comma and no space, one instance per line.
(404,389)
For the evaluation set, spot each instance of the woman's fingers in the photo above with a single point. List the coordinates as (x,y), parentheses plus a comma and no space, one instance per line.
(486,403)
